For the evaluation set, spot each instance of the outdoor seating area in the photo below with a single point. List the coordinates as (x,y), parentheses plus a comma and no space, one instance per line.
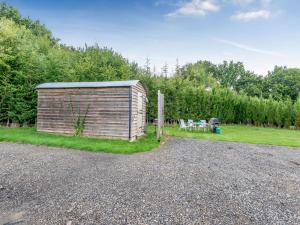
(201,125)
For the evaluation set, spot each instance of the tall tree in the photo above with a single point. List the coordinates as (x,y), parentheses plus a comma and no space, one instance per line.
(283,83)
(147,66)
(177,67)
(165,70)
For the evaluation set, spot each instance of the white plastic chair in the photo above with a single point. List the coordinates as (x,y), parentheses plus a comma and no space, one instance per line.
(191,124)
(182,124)
(203,125)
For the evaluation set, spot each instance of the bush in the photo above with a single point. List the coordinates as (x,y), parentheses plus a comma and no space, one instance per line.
(297,113)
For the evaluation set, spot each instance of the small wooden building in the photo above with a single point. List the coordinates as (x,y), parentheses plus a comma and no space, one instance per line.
(114,109)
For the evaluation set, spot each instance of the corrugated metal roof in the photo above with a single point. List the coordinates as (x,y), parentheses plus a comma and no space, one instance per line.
(126,83)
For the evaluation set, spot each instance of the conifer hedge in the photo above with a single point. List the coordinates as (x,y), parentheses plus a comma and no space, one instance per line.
(185,101)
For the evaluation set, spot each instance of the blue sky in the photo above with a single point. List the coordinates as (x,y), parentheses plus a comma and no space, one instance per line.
(260,33)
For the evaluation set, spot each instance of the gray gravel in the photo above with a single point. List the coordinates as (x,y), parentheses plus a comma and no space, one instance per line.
(184,182)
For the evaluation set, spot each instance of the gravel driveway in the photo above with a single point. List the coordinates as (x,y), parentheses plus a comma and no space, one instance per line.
(184,182)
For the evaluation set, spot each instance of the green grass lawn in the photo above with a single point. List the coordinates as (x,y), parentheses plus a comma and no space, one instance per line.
(235,133)
(245,134)
(31,136)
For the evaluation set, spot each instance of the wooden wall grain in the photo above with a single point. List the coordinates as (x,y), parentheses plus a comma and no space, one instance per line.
(107,116)
(136,132)
(108,111)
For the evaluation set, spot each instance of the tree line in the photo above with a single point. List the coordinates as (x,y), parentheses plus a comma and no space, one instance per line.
(30,55)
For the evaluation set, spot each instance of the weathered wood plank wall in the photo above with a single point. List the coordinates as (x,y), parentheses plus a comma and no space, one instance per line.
(108,110)
(136,131)
(107,116)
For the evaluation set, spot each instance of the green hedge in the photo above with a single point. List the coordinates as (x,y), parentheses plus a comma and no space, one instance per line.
(182,100)
(29,55)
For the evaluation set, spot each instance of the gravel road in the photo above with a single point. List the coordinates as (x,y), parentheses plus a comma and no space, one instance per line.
(184,182)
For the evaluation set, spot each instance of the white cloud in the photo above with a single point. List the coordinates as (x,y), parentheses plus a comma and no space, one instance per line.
(249,48)
(248,2)
(248,9)
(196,8)
(243,2)
(252,15)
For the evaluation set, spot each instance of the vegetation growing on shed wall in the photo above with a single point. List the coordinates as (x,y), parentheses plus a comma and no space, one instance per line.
(77,118)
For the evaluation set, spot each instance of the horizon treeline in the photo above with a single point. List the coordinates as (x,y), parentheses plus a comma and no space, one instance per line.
(30,55)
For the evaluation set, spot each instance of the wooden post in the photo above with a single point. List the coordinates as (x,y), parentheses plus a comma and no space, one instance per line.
(160,115)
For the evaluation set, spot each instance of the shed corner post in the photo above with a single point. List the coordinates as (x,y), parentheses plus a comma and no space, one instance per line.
(37,109)
(130,114)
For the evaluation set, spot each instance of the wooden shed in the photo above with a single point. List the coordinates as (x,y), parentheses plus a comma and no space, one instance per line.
(114,109)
